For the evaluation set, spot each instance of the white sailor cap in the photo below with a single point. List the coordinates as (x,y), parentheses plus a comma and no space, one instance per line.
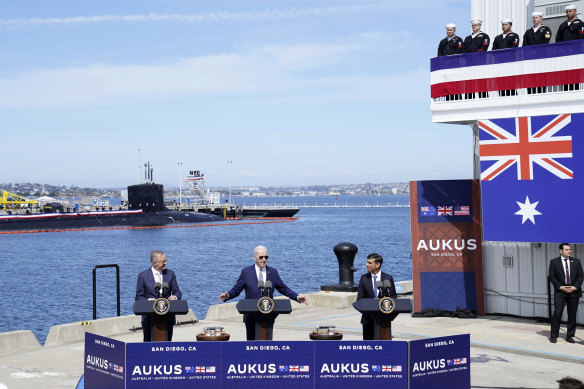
(476,21)
(571,7)
(503,21)
(537,13)
(450,25)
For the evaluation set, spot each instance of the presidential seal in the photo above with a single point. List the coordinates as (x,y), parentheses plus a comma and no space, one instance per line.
(386,305)
(265,305)
(161,306)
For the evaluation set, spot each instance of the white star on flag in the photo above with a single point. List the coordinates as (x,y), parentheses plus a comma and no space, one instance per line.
(527,210)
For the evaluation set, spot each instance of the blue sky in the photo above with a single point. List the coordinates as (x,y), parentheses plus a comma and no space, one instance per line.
(293,92)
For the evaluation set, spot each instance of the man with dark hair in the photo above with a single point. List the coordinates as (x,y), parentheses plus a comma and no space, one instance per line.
(147,280)
(572,28)
(508,39)
(368,289)
(570,383)
(538,34)
(452,44)
(566,276)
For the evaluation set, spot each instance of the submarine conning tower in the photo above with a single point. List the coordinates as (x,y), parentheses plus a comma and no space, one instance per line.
(148,197)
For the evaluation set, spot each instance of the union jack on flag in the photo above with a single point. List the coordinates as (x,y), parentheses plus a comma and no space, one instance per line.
(294,368)
(445,211)
(386,368)
(200,369)
(524,146)
(531,178)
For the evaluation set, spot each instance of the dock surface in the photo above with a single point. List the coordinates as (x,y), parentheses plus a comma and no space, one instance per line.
(506,352)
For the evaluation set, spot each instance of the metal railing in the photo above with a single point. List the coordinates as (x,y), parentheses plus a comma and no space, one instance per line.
(95,287)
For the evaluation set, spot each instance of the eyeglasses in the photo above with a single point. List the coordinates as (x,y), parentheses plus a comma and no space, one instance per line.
(263,257)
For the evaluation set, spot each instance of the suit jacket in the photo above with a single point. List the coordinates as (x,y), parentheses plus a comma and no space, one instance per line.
(145,285)
(248,281)
(558,274)
(366,291)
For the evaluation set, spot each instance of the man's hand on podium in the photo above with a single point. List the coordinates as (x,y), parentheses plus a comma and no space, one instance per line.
(224,297)
(302,299)
(172,298)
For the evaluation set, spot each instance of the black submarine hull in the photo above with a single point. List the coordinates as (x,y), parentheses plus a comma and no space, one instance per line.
(58,221)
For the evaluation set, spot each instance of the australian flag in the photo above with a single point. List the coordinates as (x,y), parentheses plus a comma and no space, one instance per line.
(532,178)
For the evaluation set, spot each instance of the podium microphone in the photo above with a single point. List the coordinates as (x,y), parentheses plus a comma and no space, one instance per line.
(268,287)
(164,289)
(261,287)
(157,287)
(387,287)
(379,286)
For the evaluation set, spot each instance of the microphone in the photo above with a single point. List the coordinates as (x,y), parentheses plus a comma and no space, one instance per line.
(379,286)
(268,287)
(157,289)
(261,287)
(387,287)
(164,289)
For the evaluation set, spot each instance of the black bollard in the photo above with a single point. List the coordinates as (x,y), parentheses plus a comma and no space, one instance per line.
(345,253)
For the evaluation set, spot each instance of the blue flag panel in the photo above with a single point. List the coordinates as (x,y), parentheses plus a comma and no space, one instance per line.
(105,362)
(440,363)
(173,365)
(268,365)
(361,364)
(444,201)
(532,178)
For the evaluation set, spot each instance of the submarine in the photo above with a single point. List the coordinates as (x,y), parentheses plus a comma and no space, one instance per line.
(145,209)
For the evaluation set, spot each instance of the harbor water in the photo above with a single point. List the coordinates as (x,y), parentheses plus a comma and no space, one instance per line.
(47,277)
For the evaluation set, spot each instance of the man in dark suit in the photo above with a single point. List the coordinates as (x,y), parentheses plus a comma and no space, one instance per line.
(368,289)
(145,290)
(566,276)
(248,280)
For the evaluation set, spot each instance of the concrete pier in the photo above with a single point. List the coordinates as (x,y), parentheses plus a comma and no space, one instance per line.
(506,352)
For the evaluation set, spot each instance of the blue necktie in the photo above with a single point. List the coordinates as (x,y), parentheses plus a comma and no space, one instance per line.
(374,285)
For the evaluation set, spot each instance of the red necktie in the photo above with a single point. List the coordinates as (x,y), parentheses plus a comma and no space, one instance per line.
(567,272)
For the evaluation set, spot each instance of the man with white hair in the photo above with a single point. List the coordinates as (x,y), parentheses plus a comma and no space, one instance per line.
(538,34)
(572,28)
(452,44)
(477,40)
(508,39)
(248,281)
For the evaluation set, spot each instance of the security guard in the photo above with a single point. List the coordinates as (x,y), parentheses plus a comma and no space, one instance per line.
(452,44)
(508,39)
(477,40)
(538,34)
(571,29)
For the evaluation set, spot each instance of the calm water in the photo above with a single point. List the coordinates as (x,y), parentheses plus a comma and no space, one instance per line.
(47,277)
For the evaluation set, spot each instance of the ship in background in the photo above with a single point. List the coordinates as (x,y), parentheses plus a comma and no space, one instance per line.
(197,198)
(145,208)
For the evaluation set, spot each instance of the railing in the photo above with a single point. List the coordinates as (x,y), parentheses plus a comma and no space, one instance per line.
(95,287)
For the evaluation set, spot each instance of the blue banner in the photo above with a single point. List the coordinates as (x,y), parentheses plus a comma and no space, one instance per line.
(532,178)
(444,201)
(173,365)
(105,361)
(268,365)
(360,364)
(440,363)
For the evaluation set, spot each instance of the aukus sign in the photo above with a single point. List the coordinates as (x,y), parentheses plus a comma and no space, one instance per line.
(428,363)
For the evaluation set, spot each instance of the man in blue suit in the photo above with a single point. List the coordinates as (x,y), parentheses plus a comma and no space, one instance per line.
(248,280)
(368,289)
(145,290)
